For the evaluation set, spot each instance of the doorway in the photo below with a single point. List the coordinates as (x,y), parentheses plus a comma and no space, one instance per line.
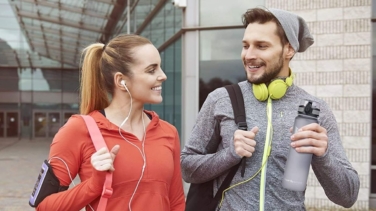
(47,123)
(9,124)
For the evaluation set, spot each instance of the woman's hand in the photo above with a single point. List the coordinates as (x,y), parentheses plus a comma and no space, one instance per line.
(103,160)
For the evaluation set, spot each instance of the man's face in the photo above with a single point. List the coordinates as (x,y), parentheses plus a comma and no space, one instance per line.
(263,54)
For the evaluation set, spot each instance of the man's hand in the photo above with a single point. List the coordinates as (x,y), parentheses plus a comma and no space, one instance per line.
(244,142)
(311,138)
(103,160)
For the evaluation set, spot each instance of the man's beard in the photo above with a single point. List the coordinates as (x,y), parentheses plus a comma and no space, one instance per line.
(269,74)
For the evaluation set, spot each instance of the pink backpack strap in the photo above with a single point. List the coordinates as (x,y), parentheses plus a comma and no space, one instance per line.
(99,143)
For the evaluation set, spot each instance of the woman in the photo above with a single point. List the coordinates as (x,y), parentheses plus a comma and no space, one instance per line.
(144,150)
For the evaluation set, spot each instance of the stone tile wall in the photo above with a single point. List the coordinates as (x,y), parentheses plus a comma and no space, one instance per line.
(337,68)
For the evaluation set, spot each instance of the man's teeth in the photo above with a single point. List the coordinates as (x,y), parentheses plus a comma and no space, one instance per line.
(158,88)
(253,66)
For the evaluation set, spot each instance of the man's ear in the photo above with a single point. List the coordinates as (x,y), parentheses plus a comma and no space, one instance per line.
(290,52)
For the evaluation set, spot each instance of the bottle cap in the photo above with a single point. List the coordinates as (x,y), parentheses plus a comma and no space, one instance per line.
(310,108)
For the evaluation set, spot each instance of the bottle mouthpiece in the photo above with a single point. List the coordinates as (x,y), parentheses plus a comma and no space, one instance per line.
(309,108)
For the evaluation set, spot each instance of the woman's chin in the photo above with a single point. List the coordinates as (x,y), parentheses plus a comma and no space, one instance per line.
(155,101)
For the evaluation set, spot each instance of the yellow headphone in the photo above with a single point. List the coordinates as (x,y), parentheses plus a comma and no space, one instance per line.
(276,89)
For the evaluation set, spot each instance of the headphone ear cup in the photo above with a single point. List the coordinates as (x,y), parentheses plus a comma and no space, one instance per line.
(260,91)
(277,89)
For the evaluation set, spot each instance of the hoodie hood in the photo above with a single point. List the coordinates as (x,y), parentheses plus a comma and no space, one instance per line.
(104,124)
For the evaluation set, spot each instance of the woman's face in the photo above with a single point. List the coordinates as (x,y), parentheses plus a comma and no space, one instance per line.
(148,76)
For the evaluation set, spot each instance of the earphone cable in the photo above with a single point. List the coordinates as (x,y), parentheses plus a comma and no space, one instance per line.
(69,174)
(142,152)
(266,154)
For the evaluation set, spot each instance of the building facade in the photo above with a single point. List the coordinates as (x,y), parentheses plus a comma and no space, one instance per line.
(200,48)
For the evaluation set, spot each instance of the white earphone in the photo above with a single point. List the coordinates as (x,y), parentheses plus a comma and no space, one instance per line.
(141,150)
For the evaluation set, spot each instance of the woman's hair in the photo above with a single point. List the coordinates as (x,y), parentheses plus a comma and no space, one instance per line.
(259,15)
(99,65)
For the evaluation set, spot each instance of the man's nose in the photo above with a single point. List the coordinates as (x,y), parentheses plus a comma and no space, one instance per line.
(250,53)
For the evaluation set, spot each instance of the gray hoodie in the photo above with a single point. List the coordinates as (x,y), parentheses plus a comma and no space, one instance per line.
(333,170)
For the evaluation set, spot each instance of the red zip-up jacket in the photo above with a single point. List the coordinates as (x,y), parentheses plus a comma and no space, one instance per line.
(160,189)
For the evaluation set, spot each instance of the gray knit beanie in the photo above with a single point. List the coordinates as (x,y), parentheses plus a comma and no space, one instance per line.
(295,28)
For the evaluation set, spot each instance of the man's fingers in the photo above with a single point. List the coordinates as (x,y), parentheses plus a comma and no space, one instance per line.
(250,142)
(309,134)
(240,134)
(313,127)
(255,129)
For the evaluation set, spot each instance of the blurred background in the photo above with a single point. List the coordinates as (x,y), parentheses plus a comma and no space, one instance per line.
(200,43)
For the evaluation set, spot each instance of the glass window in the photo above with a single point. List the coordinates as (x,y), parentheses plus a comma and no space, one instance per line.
(373,184)
(50,73)
(9,79)
(9,23)
(158,28)
(170,108)
(25,84)
(143,9)
(147,32)
(9,84)
(220,62)
(43,85)
(8,72)
(374,98)
(71,82)
(164,25)
(169,84)
(373,132)
(233,9)
(177,87)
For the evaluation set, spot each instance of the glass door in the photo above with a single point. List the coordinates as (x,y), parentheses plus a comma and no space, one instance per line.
(53,123)
(12,124)
(9,124)
(2,124)
(40,124)
(47,123)
(67,115)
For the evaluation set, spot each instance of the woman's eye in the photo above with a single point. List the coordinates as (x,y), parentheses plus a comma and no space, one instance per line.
(152,70)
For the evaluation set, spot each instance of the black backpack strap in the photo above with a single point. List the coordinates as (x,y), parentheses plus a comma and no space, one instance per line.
(237,102)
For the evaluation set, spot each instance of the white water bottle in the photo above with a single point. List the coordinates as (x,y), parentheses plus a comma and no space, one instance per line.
(297,164)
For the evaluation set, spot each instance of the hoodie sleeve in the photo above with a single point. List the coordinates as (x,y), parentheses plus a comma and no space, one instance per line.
(69,145)
(200,159)
(177,198)
(333,170)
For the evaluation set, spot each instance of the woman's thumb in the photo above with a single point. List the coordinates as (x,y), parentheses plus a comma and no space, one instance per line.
(114,151)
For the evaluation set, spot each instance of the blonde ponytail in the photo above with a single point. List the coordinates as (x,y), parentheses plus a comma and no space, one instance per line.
(93,92)
(99,66)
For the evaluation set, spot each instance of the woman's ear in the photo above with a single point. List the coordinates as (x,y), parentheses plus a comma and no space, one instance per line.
(120,80)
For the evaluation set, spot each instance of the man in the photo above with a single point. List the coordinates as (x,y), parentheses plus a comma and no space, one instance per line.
(271,39)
